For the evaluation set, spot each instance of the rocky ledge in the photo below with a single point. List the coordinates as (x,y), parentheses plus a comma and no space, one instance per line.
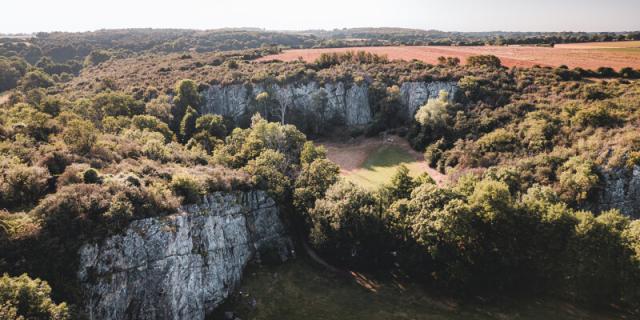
(184,265)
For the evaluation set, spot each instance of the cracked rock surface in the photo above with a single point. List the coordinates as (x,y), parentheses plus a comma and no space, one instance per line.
(348,104)
(184,265)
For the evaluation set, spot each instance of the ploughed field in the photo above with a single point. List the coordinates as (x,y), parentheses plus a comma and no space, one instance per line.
(616,55)
(300,289)
(371,162)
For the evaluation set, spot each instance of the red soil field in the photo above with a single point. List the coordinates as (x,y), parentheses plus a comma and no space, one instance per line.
(520,56)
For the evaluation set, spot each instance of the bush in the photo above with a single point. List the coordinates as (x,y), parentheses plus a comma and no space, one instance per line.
(499,140)
(80,136)
(484,60)
(23,298)
(187,187)
(21,185)
(36,79)
(577,180)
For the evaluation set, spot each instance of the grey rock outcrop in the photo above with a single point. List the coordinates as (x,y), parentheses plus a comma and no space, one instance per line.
(184,265)
(416,94)
(620,189)
(348,104)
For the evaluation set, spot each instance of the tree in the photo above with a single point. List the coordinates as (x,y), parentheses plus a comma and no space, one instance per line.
(212,124)
(11,70)
(268,172)
(188,124)
(312,183)
(346,226)
(434,112)
(24,298)
(36,79)
(401,185)
(186,96)
(80,136)
(311,152)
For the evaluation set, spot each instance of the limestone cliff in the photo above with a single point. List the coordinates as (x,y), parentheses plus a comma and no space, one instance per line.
(184,265)
(620,189)
(345,103)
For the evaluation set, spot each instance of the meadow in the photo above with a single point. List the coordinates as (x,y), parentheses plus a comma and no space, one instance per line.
(371,162)
(301,289)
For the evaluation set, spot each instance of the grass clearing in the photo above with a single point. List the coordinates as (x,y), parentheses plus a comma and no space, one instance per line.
(371,162)
(382,164)
(300,289)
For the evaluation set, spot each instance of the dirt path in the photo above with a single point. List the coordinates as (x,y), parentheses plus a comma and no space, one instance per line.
(351,155)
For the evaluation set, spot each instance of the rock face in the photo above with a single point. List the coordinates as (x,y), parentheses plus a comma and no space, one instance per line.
(337,102)
(621,190)
(184,265)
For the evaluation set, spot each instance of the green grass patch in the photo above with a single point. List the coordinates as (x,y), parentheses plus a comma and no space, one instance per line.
(302,290)
(382,164)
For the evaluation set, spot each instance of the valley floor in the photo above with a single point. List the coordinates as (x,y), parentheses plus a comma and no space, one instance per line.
(371,162)
(301,289)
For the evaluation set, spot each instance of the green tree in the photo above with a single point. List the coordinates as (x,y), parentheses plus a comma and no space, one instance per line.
(23,298)
(186,96)
(434,113)
(310,152)
(267,172)
(401,185)
(188,124)
(212,124)
(312,183)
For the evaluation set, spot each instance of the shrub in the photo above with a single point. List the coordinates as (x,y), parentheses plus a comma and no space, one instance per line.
(96,57)
(36,79)
(499,140)
(484,60)
(21,185)
(23,298)
(187,187)
(577,180)
(91,176)
(80,136)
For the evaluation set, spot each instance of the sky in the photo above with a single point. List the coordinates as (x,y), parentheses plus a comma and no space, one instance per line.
(24,16)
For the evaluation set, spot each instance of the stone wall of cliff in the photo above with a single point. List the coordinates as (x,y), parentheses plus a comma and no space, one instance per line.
(346,103)
(184,265)
(620,189)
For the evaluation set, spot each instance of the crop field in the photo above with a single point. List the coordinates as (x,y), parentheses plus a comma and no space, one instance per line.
(300,289)
(616,55)
(371,162)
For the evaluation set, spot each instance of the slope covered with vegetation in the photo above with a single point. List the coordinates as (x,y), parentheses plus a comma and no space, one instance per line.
(82,156)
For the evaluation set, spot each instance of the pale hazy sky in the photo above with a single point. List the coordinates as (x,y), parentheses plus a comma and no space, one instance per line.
(449,15)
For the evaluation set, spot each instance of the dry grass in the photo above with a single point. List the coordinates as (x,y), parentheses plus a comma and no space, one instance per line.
(600,45)
(520,56)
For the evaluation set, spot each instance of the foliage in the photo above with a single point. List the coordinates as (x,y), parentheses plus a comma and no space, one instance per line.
(80,136)
(23,298)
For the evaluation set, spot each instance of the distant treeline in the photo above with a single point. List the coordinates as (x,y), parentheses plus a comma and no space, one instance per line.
(63,47)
